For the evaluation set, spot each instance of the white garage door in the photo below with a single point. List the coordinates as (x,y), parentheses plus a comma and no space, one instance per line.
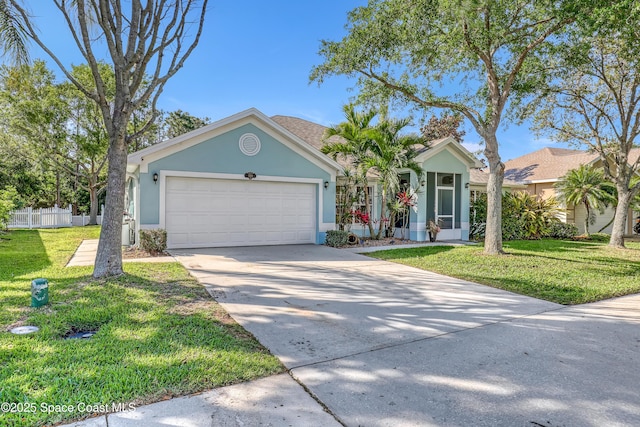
(202,212)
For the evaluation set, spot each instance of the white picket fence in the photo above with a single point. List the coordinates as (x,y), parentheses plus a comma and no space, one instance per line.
(54,217)
(82,220)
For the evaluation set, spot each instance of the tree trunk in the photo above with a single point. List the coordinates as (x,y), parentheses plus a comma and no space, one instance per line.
(587,218)
(620,218)
(93,205)
(369,205)
(493,233)
(109,258)
(58,201)
(383,202)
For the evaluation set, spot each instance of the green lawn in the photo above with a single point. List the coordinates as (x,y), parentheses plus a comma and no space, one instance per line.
(566,272)
(159,333)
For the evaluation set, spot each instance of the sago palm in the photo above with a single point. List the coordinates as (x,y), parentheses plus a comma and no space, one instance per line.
(585,186)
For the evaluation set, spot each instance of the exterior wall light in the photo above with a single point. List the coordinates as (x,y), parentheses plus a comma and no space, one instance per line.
(326,185)
(466,185)
(155,177)
(250,175)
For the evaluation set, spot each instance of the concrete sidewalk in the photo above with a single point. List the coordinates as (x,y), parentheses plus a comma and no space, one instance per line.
(86,255)
(271,401)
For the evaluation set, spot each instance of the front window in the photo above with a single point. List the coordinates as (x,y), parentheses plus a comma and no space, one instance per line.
(445,201)
(347,203)
(361,203)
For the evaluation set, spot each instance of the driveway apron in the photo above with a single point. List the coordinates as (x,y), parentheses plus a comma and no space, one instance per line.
(383,344)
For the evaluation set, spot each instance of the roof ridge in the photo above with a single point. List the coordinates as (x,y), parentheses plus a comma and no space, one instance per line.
(296,118)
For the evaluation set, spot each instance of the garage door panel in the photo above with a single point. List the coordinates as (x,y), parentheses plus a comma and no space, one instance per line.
(211,212)
(200,238)
(231,220)
(179,238)
(272,220)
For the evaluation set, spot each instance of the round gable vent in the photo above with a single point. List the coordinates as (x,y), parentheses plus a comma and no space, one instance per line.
(249,144)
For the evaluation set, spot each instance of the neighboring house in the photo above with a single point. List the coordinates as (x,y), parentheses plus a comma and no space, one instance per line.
(540,170)
(480,177)
(254,180)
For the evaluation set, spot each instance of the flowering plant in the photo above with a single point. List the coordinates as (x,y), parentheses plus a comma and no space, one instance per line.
(362,217)
(409,199)
(434,227)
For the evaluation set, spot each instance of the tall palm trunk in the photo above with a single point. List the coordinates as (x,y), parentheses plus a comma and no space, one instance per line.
(587,218)
(367,202)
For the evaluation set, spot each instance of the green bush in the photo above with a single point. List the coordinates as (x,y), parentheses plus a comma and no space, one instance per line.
(560,230)
(523,216)
(7,198)
(153,241)
(336,238)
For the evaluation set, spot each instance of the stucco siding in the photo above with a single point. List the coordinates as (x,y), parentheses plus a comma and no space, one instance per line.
(600,220)
(222,155)
(443,162)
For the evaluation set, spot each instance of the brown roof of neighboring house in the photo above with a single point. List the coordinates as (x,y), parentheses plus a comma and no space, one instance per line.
(481,177)
(546,164)
(549,164)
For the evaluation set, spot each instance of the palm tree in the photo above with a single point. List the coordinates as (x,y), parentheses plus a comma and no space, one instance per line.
(389,153)
(585,186)
(378,149)
(353,144)
(12,33)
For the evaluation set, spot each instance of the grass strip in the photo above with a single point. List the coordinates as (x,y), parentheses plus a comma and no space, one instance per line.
(565,272)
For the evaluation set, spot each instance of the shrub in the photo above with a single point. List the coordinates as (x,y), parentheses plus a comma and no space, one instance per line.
(336,238)
(523,216)
(560,230)
(153,241)
(476,231)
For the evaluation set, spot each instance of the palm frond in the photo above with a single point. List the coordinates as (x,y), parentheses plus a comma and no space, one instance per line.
(13,35)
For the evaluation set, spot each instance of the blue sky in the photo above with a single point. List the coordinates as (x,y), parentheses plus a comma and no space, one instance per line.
(257,53)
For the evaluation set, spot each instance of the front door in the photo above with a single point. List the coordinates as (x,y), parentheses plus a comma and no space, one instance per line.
(444,192)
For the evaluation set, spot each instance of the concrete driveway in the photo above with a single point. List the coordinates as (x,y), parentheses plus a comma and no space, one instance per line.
(381,344)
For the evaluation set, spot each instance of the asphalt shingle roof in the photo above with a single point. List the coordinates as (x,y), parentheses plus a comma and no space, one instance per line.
(546,164)
(481,177)
(551,163)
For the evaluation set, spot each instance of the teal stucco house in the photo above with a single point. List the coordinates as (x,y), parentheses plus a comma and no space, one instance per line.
(250,180)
